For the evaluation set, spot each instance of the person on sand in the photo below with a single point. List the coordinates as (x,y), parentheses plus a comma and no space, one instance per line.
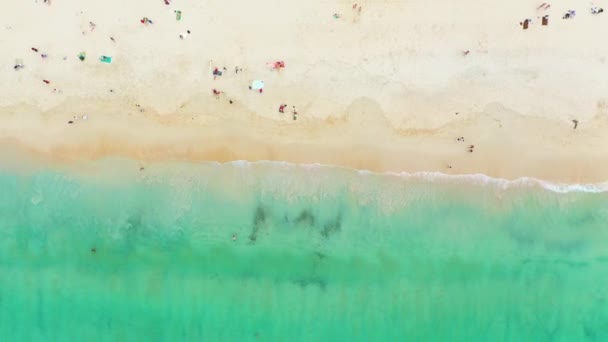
(569,15)
(295,113)
(575,123)
(545,20)
(184,35)
(216,73)
(282,108)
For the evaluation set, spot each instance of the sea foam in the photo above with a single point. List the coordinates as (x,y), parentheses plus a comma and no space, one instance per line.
(439,177)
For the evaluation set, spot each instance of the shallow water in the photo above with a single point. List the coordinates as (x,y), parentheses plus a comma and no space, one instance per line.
(111,253)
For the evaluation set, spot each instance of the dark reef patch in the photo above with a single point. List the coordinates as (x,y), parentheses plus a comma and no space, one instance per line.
(134,223)
(332,226)
(320,255)
(259,219)
(314,281)
(589,332)
(306,217)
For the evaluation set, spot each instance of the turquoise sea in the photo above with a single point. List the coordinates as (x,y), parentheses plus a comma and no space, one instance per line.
(106,252)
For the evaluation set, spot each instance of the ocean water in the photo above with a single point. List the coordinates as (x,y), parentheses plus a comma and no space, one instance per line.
(105,252)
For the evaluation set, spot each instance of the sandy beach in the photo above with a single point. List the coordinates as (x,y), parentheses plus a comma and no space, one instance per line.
(389,87)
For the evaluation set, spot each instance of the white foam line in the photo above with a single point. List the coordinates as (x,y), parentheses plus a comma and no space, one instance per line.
(477,178)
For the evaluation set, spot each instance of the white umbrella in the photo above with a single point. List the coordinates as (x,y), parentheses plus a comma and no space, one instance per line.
(257,85)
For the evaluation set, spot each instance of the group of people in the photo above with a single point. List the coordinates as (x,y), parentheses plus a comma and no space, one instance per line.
(294,111)
(570,14)
(256,85)
(470,148)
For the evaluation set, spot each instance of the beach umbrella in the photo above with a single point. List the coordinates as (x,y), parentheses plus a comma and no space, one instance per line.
(257,85)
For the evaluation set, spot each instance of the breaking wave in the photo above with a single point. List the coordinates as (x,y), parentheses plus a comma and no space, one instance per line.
(439,177)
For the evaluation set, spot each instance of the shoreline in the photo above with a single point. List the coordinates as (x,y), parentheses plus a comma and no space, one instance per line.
(353,141)
(475,179)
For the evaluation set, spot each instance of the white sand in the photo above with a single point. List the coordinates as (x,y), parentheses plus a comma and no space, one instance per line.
(377,90)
